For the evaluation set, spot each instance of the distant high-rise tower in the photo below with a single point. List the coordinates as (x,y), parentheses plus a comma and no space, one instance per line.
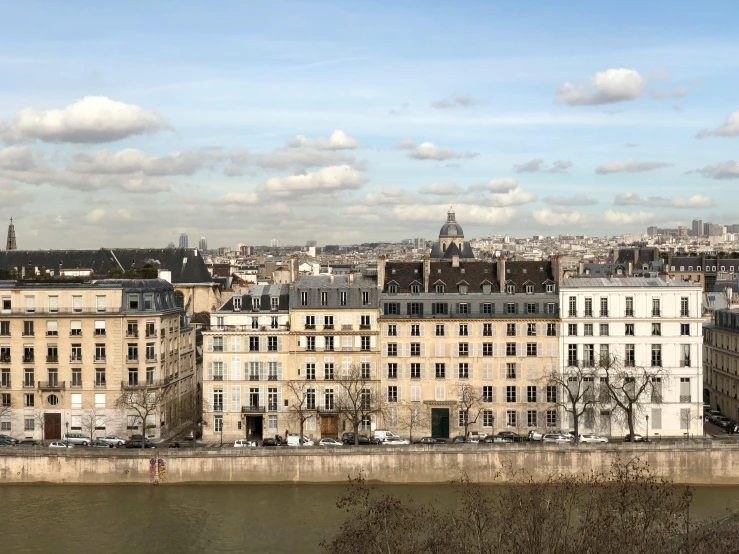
(274,243)
(203,244)
(697,227)
(183,240)
(11,245)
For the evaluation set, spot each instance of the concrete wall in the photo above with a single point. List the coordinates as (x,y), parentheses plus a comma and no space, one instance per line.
(696,464)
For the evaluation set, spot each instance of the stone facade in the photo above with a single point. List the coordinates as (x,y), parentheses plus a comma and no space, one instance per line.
(721,363)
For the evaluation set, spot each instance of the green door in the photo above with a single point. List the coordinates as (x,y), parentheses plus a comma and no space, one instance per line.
(440,423)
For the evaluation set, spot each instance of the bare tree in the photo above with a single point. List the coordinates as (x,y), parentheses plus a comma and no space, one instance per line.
(469,402)
(303,404)
(412,417)
(358,398)
(630,387)
(6,405)
(575,391)
(40,419)
(144,401)
(90,416)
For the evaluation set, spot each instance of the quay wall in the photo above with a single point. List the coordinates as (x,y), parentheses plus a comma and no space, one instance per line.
(711,464)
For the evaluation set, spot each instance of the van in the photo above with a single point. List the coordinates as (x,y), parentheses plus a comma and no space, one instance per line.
(382,435)
(293,439)
(76,438)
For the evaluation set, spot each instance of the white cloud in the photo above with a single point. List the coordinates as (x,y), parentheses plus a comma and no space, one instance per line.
(18,158)
(632,199)
(236,198)
(132,160)
(96,215)
(606,87)
(467,213)
(463,100)
(441,189)
(358,210)
(629,166)
(338,140)
(387,196)
(393,192)
(429,151)
(620,218)
(670,93)
(728,129)
(13,196)
(576,200)
(503,184)
(537,165)
(721,170)
(514,197)
(94,119)
(550,218)
(327,179)
(144,185)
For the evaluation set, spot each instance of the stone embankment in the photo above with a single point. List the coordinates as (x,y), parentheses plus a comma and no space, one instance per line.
(709,463)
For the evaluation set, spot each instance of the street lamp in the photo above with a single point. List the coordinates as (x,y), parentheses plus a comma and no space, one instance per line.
(647,428)
(67,435)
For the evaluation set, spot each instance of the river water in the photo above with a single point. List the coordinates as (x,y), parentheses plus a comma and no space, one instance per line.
(180,519)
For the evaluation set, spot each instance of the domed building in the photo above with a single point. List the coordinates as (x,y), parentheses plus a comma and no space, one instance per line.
(451,241)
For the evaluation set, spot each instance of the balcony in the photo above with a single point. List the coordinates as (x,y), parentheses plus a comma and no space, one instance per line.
(329,327)
(151,357)
(100,359)
(327,410)
(52,333)
(685,398)
(162,332)
(272,407)
(52,359)
(656,313)
(151,334)
(253,377)
(28,358)
(5,384)
(629,313)
(51,385)
(684,313)
(310,326)
(99,332)
(685,363)
(75,358)
(77,385)
(253,409)
(100,384)
(217,407)
(272,378)
(217,377)
(29,384)
(132,334)
(347,327)
(365,327)
(149,384)
(347,348)
(132,359)
(604,313)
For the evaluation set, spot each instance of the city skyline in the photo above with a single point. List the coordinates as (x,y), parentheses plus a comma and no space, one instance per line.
(264,121)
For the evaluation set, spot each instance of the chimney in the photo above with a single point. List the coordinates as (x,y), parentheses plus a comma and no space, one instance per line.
(630,270)
(381,272)
(455,260)
(426,271)
(293,268)
(580,267)
(330,277)
(501,272)
(351,276)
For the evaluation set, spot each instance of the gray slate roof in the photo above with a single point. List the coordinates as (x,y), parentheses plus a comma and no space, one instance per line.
(602,282)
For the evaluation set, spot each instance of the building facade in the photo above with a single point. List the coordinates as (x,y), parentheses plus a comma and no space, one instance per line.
(246,364)
(70,350)
(721,362)
(650,325)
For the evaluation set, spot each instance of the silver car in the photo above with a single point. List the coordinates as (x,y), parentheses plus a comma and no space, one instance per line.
(553,438)
(76,439)
(590,438)
(113,440)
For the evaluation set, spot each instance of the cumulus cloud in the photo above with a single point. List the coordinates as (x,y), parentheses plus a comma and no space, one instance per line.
(629,166)
(632,199)
(441,189)
(18,158)
(576,200)
(327,179)
(236,198)
(11,195)
(721,170)
(728,129)
(469,213)
(338,140)
(620,218)
(387,196)
(94,119)
(132,160)
(514,197)
(605,87)
(300,153)
(144,185)
(551,218)
(670,93)
(358,210)
(503,184)
(537,166)
(463,100)
(429,151)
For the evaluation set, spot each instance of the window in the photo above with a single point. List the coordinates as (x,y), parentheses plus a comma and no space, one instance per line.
(463,371)
(415,371)
(510,308)
(551,329)
(656,312)
(218,423)
(100,352)
(464,349)
(392,289)
(272,344)
(304,298)
(392,393)
(342,298)
(487,288)
(462,417)
(218,344)
(237,303)
(463,288)
(132,355)
(329,399)
(531,394)
(510,372)
(328,370)
(531,349)
(588,330)
(52,354)
(439,330)
(551,417)
(5,328)
(529,289)
(6,304)
(133,302)
(310,399)
(604,307)
(29,424)
(551,394)
(604,329)
(487,308)
(510,349)
(510,330)
(28,329)
(253,344)
(392,371)
(531,329)
(439,308)
(415,330)
(464,308)
(99,376)
(656,355)
(685,329)
(588,307)
(366,343)
(255,323)
(439,288)
(488,418)
(365,298)
(415,289)
(5,379)
(684,311)
(414,308)
(132,329)
(572,329)
(415,349)
(487,349)
(28,400)
(99,328)
(54,304)
(487,393)
(684,389)
(531,418)
(310,322)
(150,352)
(573,306)
(629,332)
(510,288)
(630,355)
(310,343)
(549,288)
(30,303)
(549,308)
(463,330)
(328,322)
(440,371)
(588,355)
(511,419)
(76,377)
(148,301)
(572,354)
(392,349)
(656,329)
(629,306)
(531,308)
(685,355)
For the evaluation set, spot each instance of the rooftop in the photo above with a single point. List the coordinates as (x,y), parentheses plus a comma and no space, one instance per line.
(625,282)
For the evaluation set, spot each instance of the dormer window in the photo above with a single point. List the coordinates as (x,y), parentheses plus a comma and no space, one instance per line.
(529,289)
(237,304)
(415,289)
(274,303)
(510,288)
(439,289)
(463,289)
(304,298)
(550,288)
(487,289)
(392,289)
(255,304)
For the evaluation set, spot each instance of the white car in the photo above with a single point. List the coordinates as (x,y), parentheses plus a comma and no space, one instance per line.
(243,443)
(60,444)
(329,442)
(556,438)
(590,438)
(394,441)
(112,439)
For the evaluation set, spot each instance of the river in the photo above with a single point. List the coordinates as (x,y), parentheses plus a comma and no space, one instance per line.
(178,519)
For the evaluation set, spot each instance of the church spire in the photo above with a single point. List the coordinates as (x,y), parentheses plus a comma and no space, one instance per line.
(10,245)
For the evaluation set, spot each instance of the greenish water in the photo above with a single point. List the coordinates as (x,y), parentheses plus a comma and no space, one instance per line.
(202,518)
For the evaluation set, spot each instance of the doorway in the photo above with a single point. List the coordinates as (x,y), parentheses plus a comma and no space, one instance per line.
(52,427)
(329,426)
(254,427)
(440,423)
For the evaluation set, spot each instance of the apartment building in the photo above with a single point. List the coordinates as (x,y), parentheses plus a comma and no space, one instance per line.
(69,349)
(647,324)
(334,321)
(449,323)
(721,362)
(246,362)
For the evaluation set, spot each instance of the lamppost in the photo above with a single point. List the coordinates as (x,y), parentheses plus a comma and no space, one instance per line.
(647,428)
(66,423)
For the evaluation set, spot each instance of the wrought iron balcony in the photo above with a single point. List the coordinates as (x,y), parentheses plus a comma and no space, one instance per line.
(253,409)
(52,385)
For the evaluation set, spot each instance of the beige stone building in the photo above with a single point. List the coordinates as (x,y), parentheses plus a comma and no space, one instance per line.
(71,349)
(246,362)
(721,363)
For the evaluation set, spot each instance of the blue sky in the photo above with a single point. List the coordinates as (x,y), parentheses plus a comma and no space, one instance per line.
(126,124)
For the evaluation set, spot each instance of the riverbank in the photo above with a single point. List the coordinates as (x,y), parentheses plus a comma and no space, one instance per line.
(709,463)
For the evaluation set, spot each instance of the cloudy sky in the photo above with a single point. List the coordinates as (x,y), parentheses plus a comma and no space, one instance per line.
(125,124)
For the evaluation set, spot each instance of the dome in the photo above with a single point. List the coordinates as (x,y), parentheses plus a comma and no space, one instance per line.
(451,228)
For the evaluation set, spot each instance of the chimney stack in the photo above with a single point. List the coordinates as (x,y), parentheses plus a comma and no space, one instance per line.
(455,260)
(501,272)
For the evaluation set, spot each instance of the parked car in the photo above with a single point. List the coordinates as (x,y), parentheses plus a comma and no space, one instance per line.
(635,438)
(348,438)
(113,440)
(60,444)
(269,442)
(713,414)
(722,421)
(29,443)
(293,439)
(515,437)
(244,443)
(100,444)
(9,439)
(382,435)
(139,444)
(590,438)
(429,440)
(395,441)
(556,438)
(475,436)
(534,436)
(6,444)
(459,440)
(76,439)
(136,438)
(329,442)
(495,439)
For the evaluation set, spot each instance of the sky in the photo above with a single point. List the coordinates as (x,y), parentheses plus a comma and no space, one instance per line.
(126,124)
